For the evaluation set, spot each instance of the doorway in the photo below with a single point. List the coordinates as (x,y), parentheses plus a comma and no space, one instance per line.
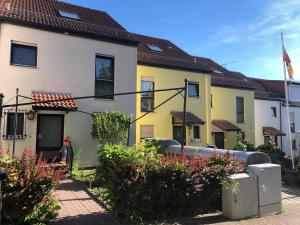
(50,131)
(219,140)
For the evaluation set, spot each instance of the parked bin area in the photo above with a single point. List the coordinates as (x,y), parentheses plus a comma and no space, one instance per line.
(247,157)
(255,193)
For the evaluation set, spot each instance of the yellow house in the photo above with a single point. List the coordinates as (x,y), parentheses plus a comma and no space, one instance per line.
(232,106)
(161,64)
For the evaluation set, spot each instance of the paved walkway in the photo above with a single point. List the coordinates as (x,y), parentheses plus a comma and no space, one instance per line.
(78,208)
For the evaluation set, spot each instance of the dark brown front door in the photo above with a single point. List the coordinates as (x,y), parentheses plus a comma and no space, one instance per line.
(219,140)
(50,131)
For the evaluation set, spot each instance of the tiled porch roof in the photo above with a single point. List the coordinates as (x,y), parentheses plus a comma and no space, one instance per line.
(61,105)
(225,125)
(190,118)
(272,131)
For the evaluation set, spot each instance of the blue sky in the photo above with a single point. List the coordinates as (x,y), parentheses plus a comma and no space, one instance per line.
(244,34)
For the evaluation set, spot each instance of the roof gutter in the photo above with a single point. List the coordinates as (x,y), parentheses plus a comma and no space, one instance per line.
(133,43)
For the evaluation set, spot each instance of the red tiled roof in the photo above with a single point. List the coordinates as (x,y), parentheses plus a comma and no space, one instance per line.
(171,55)
(190,118)
(223,77)
(64,105)
(44,14)
(225,125)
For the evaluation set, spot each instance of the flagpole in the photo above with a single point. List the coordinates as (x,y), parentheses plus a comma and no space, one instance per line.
(287,105)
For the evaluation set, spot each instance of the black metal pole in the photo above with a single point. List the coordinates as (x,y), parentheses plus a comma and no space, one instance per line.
(183,142)
(16,122)
(128,135)
(1,111)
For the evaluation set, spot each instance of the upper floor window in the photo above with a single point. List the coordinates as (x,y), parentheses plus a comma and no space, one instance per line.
(193,89)
(274,111)
(10,127)
(23,55)
(104,84)
(240,117)
(147,99)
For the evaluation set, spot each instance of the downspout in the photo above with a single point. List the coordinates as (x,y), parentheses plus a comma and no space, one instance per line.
(280,115)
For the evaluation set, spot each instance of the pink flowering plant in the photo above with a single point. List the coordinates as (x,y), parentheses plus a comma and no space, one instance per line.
(27,197)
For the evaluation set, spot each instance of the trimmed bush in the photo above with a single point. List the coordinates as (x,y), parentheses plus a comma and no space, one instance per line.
(27,190)
(145,186)
(273,151)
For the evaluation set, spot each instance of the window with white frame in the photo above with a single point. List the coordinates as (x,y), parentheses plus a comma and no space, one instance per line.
(240,116)
(104,77)
(23,55)
(193,89)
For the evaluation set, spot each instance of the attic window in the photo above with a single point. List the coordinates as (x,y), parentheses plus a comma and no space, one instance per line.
(154,48)
(68,15)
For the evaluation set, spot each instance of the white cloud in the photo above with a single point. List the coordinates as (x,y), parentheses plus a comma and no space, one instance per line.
(277,16)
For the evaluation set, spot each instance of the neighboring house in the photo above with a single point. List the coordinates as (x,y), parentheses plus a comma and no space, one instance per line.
(50,50)
(161,64)
(271,113)
(232,106)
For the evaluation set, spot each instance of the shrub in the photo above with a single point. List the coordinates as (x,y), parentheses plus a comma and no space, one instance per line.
(111,127)
(27,190)
(273,151)
(143,185)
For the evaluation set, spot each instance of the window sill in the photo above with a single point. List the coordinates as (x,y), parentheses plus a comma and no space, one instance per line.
(147,111)
(104,99)
(26,66)
(11,137)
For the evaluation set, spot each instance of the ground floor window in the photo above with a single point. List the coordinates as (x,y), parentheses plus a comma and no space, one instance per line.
(10,125)
(196,131)
(177,133)
(146,131)
(267,139)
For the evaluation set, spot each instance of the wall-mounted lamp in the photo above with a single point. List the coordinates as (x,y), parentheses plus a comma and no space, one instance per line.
(30,115)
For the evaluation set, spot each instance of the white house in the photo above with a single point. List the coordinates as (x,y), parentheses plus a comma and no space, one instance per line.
(271,113)
(55,50)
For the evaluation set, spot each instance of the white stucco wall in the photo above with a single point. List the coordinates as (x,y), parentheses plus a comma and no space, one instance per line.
(264,118)
(67,64)
(296,111)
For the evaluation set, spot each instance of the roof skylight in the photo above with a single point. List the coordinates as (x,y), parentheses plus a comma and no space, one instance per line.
(154,48)
(68,15)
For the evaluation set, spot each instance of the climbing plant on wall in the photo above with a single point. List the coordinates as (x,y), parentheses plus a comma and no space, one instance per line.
(111,127)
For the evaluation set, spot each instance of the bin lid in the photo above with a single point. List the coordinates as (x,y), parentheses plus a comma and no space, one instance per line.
(239,176)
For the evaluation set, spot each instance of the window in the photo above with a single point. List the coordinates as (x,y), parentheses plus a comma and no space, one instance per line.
(294,147)
(193,90)
(196,131)
(10,128)
(274,111)
(154,48)
(292,121)
(104,84)
(147,100)
(68,15)
(211,100)
(267,139)
(240,109)
(146,131)
(23,55)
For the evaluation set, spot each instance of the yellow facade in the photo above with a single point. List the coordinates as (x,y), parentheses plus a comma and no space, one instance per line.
(224,108)
(161,118)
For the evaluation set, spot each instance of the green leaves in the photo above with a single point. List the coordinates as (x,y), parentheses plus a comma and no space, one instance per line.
(111,127)
(144,185)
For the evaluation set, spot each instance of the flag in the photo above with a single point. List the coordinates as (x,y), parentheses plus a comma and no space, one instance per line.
(287,61)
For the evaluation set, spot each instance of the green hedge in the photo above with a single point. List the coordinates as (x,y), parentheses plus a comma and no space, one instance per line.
(143,185)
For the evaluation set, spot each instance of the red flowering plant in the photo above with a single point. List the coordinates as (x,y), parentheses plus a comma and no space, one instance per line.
(27,190)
